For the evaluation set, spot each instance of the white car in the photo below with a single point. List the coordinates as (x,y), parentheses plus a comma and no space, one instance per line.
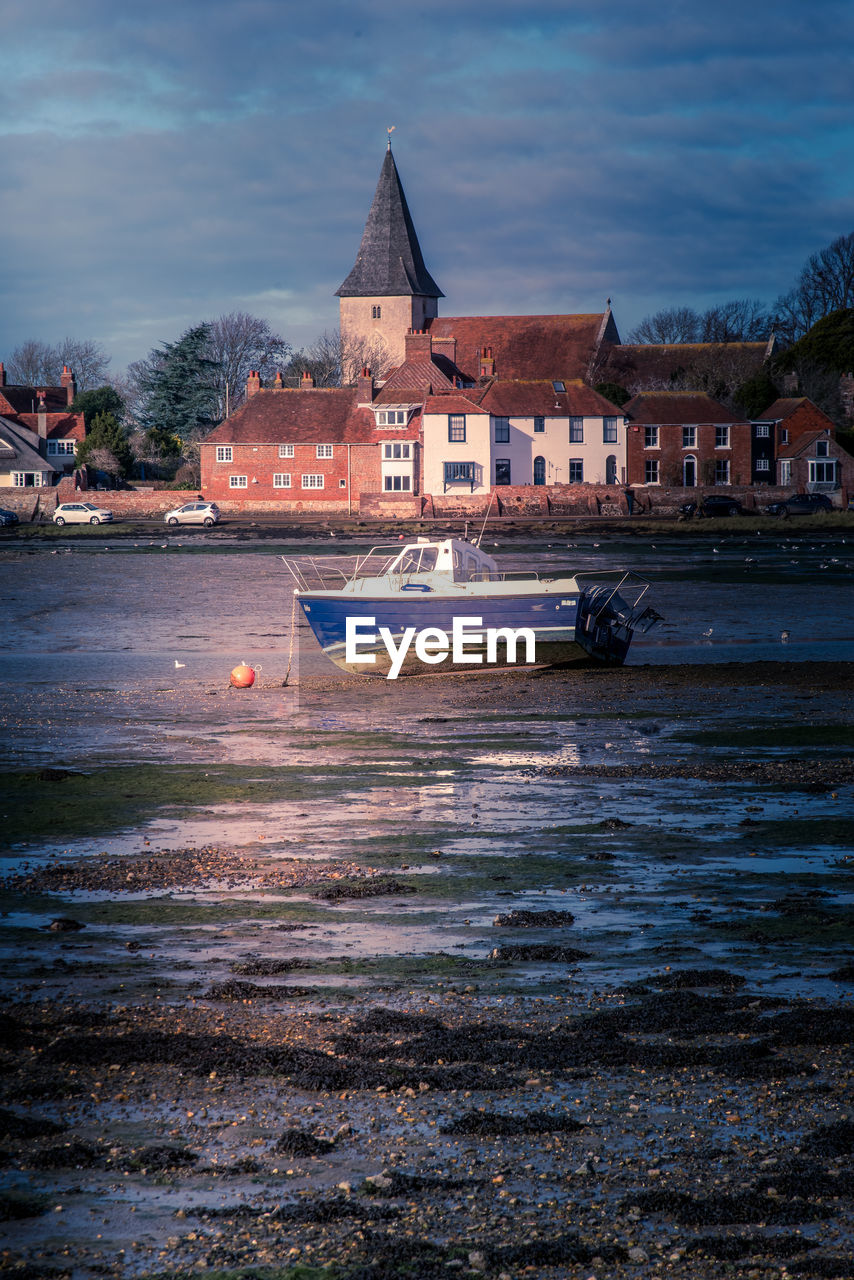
(194,513)
(81,513)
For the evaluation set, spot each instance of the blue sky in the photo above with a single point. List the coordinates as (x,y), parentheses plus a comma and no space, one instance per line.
(171,161)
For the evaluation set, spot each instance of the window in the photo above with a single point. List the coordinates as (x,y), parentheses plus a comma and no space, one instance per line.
(27,479)
(576,431)
(396,451)
(502,471)
(784,435)
(722,471)
(502,430)
(376,312)
(457,428)
(281,480)
(650,438)
(324,451)
(286,450)
(721,437)
(458,471)
(821,449)
(342,484)
(391,418)
(559,385)
(762,464)
(822,472)
(237,482)
(539,424)
(689,437)
(312,482)
(223,453)
(60,446)
(576,471)
(609,430)
(786,471)
(650,469)
(397,484)
(762,430)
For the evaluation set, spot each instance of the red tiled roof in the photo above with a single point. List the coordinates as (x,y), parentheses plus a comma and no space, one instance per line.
(528,399)
(804,442)
(783,408)
(459,402)
(61,426)
(18,399)
(667,408)
(418,377)
(633,364)
(319,416)
(524,346)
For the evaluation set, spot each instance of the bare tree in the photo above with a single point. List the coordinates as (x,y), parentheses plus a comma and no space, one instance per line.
(35,364)
(740,320)
(672,325)
(87,360)
(237,343)
(826,284)
(334,361)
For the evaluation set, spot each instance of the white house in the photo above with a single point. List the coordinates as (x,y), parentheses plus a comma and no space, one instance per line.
(522,433)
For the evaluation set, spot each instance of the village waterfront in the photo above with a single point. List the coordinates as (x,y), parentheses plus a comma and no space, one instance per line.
(541,973)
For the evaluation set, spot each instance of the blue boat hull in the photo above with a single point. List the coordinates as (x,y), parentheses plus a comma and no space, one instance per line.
(565,629)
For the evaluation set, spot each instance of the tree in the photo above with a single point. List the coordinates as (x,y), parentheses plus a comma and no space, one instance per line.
(101,400)
(238,342)
(613,391)
(826,284)
(37,364)
(672,325)
(177,386)
(334,361)
(819,358)
(740,320)
(106,447)
(756,394)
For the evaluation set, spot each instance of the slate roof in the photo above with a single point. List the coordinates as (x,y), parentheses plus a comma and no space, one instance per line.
(18,450)
(389,261)
(526,347)
(673,408)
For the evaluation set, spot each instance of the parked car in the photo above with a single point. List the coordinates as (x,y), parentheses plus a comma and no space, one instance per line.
(194,513)
(81,513)
(800,504)
(714,505)
(7,517)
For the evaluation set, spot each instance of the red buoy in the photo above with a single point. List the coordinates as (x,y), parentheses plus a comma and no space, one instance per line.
(242,677)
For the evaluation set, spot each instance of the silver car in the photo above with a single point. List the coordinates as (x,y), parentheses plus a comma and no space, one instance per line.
(194,513)
(81,513)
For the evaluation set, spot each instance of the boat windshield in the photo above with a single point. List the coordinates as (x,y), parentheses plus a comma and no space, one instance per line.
(416,560)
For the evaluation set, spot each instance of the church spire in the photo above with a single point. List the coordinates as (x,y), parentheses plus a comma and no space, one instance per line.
(389,262)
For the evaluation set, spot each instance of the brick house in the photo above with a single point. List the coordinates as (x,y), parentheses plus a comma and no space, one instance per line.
(815,463)
(685,438)
(38,436)
(314,449)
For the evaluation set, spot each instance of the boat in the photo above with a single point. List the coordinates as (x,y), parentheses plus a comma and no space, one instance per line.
(445,604)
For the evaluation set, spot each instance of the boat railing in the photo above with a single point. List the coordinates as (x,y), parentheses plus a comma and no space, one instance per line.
(331,573)
(630,584)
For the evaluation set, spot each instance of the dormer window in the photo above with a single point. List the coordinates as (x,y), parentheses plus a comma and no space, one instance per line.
(559,385)
(391,417)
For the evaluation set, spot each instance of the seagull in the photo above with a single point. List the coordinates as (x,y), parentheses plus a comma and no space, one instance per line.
(784,637)
(709,632)
(180,664)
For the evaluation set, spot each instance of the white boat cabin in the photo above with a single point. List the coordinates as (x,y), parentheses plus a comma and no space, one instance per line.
(456,560)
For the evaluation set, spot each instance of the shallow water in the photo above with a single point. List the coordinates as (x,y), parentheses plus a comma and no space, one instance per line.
(119,654)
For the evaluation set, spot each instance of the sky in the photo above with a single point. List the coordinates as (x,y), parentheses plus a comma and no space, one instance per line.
(171,161)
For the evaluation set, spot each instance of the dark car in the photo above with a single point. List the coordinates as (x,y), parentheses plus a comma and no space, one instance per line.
(800,504)
(7,517)
(714,505)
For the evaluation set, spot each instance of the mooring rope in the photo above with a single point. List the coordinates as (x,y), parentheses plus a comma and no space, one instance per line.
(291,646)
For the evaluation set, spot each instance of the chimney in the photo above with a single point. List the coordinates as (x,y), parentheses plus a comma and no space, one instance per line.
(42,416)
(365,387)
(253,383)
(2,375)
(67,380)
(419,345)
(277,381)
(487,363)
(306,381)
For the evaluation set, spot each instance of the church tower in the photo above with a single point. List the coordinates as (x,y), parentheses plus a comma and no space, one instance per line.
(389,290)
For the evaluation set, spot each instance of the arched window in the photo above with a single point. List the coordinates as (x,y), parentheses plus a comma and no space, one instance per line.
(689,471)
(539,470)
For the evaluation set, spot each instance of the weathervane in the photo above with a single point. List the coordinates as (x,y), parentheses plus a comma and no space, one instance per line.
(390,132)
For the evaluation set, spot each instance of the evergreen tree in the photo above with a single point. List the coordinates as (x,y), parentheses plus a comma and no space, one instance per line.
(101,400)
(107,439)
(179,386)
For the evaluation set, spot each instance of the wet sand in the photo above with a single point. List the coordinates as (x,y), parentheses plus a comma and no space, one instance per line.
(242,1059)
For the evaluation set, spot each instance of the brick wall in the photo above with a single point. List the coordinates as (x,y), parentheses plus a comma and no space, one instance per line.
(670,454)
(345,474)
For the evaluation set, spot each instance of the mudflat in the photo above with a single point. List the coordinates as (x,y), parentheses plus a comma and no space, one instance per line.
(540,974)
